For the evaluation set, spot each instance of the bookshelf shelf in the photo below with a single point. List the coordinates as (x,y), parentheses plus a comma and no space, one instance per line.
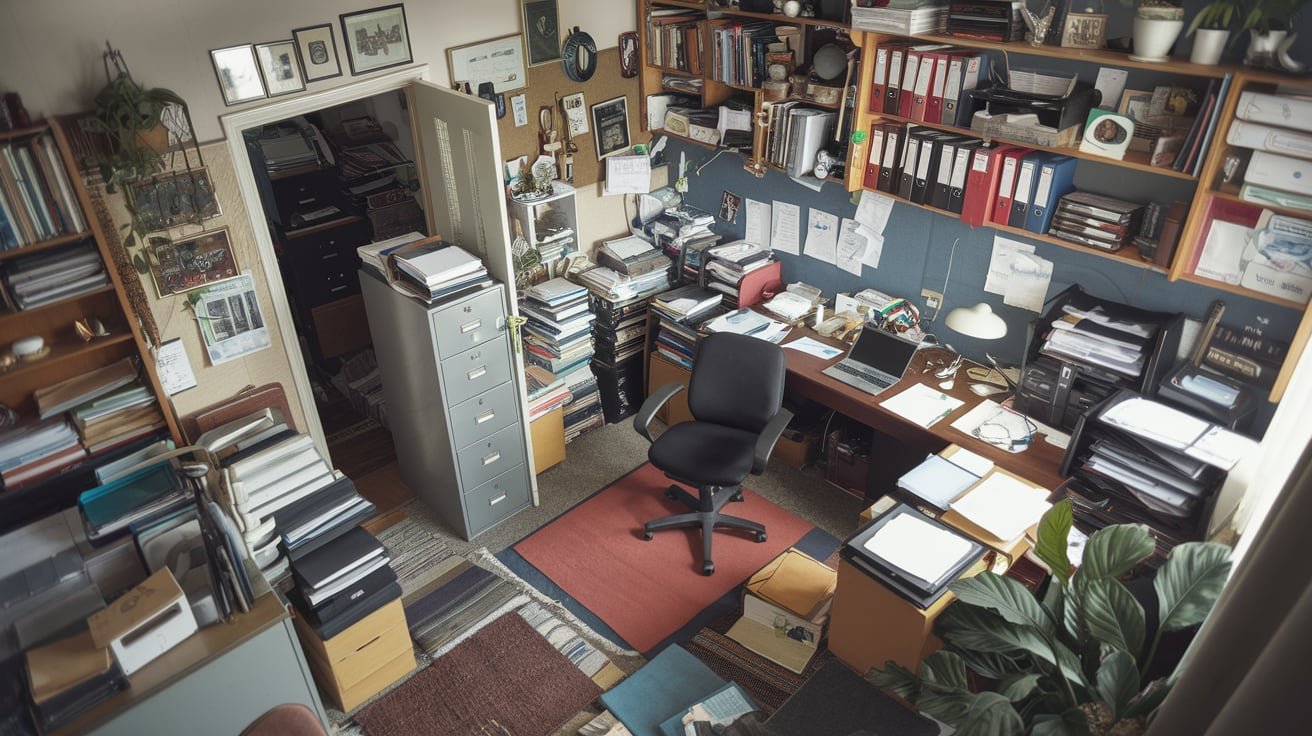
(20,133)
(37,247)
(1241,291)
(1291,212)
(12,318)
(63,351)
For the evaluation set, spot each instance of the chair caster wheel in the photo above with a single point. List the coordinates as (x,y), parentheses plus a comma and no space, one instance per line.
(708,568)
(646,536)
(737,496)
(760,536)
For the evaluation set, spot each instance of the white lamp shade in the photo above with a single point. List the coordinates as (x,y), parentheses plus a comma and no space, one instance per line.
(978,322)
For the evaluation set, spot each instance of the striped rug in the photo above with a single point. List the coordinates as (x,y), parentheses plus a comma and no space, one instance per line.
(764,681)
(419,554)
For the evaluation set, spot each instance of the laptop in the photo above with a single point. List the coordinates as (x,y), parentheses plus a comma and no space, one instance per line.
(875,362)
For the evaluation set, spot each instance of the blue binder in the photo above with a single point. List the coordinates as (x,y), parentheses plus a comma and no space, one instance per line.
(1056,179)
(1027,175)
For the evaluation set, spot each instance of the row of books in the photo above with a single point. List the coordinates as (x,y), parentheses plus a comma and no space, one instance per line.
(1277,129)
(674,40)
(926,82)
(742,52)
(796,134)
(36,199)
(35,280)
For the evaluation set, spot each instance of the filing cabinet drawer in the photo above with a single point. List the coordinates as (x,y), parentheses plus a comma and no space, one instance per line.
(488,458)
(497,500)
(306,192)
(466,324)
(482,415)
(331,240)
(476,370)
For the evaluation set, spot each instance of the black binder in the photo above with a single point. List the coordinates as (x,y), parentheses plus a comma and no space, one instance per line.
(927,167)
(907,177)
(917,590)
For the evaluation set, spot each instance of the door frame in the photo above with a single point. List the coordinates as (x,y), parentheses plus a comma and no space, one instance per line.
(234,124)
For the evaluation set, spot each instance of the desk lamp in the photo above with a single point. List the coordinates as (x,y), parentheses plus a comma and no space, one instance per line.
(981,323)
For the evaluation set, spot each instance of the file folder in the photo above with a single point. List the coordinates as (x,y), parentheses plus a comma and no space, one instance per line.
(871,179)
(1056,180)
(910,160)
(918,590)
(927,166)
(1027,175)
(1009,164)
(982,184)
(934,105)
(924,85)
(879,78)
(938,196)
(960,167)
(894,140)
(963,75)
(910,75)
(893,94)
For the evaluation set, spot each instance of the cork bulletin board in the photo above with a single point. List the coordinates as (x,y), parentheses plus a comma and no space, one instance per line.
(549,80)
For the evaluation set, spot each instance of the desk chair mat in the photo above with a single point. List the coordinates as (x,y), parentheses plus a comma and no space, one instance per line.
(644,590)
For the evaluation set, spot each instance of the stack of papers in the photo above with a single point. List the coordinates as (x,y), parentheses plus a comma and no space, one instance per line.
(937,481)
(1003,506)
(922,405)
(436,270)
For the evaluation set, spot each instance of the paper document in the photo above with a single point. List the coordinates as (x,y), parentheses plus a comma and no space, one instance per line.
(921,404)
(1223,251)
(918,547)
(997,425)
(814,347)
(1003,506)
(969,461)
(852,244)
(821,236)
(758,223)
(785,228)
(731,119)
(1145,418)
(631,247)
(1004,251)
(874,250)
(1222,448)
(873,211)
(628,175)
(175,374)
(1027,286)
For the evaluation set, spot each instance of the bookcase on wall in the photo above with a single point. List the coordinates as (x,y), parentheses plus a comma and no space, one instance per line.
(69,355)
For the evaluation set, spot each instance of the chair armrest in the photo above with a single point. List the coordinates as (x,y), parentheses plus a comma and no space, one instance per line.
(769,436)
(653,404)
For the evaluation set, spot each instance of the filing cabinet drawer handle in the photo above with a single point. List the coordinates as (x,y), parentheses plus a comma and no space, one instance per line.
(485,416)
(497,500)
(339,288)
(477,373)
(491,457)
(471,326)
(332,254)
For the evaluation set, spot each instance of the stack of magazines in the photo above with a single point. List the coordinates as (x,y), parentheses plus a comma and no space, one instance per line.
(546,392)
(907,17)
(436,271)
(558,331)
(615,286)
(680,311)
(50,276)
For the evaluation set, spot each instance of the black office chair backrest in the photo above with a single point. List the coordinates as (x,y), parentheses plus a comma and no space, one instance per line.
(737,381)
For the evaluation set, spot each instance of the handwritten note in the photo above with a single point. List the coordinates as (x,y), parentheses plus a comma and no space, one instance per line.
(821,237)
(175,374)
(852,245)
(873,211)
(628,175)
(758,223)
(785,228)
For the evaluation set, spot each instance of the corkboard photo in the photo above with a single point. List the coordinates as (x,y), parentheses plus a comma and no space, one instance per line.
(545,84)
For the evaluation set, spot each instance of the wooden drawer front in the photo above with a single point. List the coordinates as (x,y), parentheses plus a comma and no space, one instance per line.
(340,241)
(374,682)
(476,370)
(342,646)
(341,326)
(486,459)
(466,324)
(482,415)
(497,499)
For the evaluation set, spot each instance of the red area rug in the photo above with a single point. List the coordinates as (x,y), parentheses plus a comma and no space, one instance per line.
(646,590)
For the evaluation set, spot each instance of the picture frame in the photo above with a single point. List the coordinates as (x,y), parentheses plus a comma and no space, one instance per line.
(574,109)
(189,263)
(1084,30)
(279,67)
(238,73)
(1107,134)
(541,31)
(317,48)
(497,60)
(183,198)
(610,126)
(376,38)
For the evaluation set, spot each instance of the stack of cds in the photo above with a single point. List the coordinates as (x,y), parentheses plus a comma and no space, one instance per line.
(1105,223)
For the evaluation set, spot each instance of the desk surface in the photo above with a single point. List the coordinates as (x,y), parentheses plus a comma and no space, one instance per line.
(1039,462)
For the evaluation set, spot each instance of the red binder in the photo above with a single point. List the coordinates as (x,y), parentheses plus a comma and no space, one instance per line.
(924,85)
(910,75)
(934,107)
(1009,168)
(875,157)
(982,184)
(752,288)
(879,80)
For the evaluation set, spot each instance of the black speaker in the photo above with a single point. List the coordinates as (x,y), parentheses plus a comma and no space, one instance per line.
(757,6)
(835,10)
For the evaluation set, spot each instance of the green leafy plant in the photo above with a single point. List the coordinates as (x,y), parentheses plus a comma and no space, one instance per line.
(1070,663)
(1265,16)
(1216,16)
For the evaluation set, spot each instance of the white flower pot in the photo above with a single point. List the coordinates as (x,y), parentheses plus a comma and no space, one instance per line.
(1154,38)
(1262,48)
(1208,45)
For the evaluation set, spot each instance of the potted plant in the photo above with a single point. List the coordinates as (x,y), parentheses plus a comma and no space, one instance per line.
(1157,25)
(1073,662)
(1211,30)
(1268,23)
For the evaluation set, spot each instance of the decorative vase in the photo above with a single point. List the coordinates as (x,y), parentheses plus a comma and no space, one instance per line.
(1262,48)
(1154,37)
(1208,45)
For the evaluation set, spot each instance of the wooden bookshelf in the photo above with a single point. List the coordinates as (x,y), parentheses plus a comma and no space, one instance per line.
(21,133)
(37,247)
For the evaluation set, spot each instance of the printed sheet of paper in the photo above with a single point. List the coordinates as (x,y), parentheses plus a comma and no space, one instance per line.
(918,547)
(628,175)
(821,236)
(175,374)
(1004,251)
(786,227)
(874,249)
(1027,287)
(231,321)
(1223,251)
(1003,506)
(852,245)
(873,211)
(758,223)
(814,347)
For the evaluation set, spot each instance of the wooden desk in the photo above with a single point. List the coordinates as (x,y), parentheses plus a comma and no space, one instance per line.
(1038,462)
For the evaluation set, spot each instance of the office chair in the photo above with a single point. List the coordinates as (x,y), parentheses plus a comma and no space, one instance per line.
(735,395)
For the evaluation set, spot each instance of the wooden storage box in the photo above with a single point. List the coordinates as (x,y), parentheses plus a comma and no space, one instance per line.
(362,660)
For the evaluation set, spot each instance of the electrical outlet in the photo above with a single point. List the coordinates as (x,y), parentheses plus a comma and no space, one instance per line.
(933,299)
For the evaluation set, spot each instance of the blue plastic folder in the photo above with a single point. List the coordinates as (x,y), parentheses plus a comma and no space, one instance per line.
(937,481)
(114,504)
(726,704)
(666,686)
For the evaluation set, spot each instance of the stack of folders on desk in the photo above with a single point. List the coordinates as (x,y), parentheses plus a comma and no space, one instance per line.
(1099,221)
(374,256)
(681,311)
(343,581)
(558,333)
(69,677)
(741,271)
(911,554)
(435,270)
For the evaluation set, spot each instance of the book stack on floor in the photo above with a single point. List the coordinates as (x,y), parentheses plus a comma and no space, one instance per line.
(435,270)
(681,310)
(35,280)
(1277,129)
(583,413)
(1096,220)
(741,271)
(36,200)
(546,391)
(558,338)
(793,588)
(619,333)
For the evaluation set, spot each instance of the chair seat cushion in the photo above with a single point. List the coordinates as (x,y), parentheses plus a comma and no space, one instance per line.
(705,453)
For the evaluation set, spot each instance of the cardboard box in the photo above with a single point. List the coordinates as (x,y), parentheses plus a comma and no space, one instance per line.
(548,436)
(795,582)
(362,660)
(796,448)
(145,622)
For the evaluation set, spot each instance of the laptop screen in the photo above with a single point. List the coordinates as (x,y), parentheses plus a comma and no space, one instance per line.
(883,350)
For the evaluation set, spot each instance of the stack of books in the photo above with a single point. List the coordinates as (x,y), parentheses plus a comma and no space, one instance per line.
(1278,131)
(631,256)
(620,334)
(32,452)
(50,276)
(288,147)
(321,517)
(728,266)
(360,382)
(583,413)
(681,311)
(36,201)
(906,17)
(88,387)
(558,331)
(342,581)
(69,677)
(369,159)
(546,392)
(1106,223)
(683,230)
(137,498)
(374,256)
(436,271)
(118,418)
(618,287)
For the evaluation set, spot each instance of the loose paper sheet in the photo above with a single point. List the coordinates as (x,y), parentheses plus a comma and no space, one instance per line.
(821,236)
(1003,506)
(918,547)
(628,175)
(175,374)
(1027,287)
(758,223)
(1004,251)
(1223,252)
(874,249)
(852,244)
(814,347)
(873,210)
(231,321)
(921,404)
(1111,83)
(785,227)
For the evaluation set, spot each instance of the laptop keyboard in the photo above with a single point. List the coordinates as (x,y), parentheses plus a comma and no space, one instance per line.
(879,381)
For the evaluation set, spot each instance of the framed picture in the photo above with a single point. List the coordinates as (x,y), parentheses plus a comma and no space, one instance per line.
(278,66)
(317,47)
(238,73)
(179,199)
(376,39)
(1084,30)
(610,126)
(189,263)
(576,115)
(1135,104)
(498,60)
(541,31)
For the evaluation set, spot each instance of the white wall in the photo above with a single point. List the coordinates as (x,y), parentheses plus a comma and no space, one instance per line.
(50,50)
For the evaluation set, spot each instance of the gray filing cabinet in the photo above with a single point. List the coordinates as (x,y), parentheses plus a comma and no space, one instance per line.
(452,404)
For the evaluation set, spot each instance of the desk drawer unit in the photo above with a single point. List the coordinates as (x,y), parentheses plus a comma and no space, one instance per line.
(471,322)
(497,500)
(476,370)
(482,415)
(488,458)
